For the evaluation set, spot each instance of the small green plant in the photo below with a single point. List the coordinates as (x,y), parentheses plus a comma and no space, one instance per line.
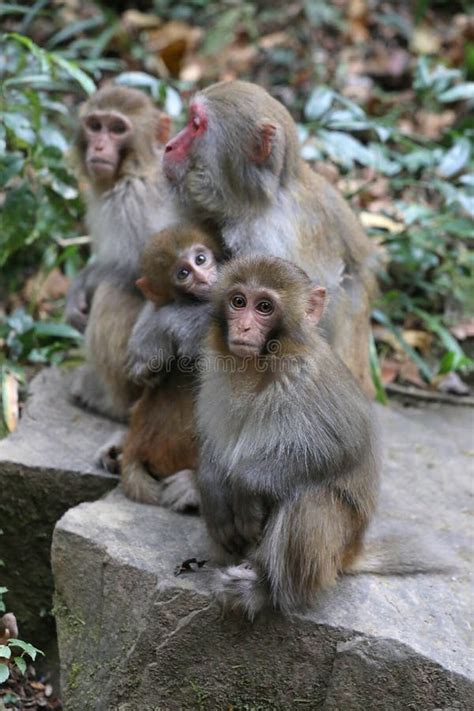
(13,652)
(10,657)
(430,261)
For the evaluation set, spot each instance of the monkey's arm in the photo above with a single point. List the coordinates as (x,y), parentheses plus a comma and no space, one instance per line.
(186,323)
(216,503)
(150,346)
(79,297)
(161,335)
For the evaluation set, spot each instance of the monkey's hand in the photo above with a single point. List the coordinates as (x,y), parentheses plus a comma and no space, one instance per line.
(144,369)
(221,525)
(150,348)
(250,516)
(76,311)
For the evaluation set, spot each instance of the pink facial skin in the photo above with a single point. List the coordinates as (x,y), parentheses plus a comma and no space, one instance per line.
(196,271)
(251,315)
(177,150)
(106,134)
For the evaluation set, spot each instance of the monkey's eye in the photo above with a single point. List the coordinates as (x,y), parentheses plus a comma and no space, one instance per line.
(183,274)
(196,122)
(200,259)
(119,128)
(238,301)
(265,307)
(94,125)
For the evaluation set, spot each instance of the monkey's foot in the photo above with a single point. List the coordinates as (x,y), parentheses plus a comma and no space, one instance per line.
(239,589)
(180,492)
(109,456)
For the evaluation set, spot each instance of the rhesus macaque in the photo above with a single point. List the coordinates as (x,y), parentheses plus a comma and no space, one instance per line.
(117,151)
(237,164)
(179,267)
(289,470)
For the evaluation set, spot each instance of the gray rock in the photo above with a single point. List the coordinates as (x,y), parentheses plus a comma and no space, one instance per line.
(134,636)
(46,467)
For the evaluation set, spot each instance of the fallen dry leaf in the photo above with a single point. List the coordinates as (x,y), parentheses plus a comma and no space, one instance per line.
(389,370)
(425,40)
(46,287)
(381,222)
(463,330)
(136,20)
(10,400)
(452,383)
(409,374)
(421,340)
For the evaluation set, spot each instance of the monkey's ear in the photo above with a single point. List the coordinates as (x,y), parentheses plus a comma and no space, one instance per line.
(317,299)
(164,128)
(146,288)
(263,149)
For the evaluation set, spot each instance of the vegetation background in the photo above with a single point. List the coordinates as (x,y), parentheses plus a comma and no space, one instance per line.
(382,93)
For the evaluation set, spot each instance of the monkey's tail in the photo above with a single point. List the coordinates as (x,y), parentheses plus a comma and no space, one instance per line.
(240,589)
(394,555)
(139,486)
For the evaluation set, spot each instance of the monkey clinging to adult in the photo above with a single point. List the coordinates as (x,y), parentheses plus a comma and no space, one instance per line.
(289,468)
(179,267)
(237,164)
(117,152)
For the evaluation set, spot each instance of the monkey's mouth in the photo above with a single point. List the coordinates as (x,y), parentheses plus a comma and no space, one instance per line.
(101,165)
(244,348)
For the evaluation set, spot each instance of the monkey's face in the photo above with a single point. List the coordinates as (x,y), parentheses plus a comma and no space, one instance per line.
(107,134)
(179,150)
(195,271)
(252,315)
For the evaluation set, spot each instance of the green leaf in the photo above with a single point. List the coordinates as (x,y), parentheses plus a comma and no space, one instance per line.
(20,663)
(19,125)
(75,72)
(3,590)
(56,330)
(455,159)
(4,673)
(380,394)
(5,651)
(28,648)
(318,103)
(460,92)
(417,359)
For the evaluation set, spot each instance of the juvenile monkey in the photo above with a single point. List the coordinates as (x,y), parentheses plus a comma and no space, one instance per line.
(289,470)
(117,151)
(179,267)
(237,164)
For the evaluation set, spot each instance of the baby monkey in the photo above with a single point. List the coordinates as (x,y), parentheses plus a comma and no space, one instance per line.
(289,469)
(178,269)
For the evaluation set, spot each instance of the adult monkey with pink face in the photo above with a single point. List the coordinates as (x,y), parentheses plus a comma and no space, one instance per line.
(237,166)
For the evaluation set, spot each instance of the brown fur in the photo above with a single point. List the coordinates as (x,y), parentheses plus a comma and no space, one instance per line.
(162,437)
(111,320)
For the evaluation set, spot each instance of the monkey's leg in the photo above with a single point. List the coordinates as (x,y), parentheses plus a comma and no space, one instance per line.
(89,391)
(110,454)
(111,320)
(180,492)
(351,333)
(306,543)
(139,485)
